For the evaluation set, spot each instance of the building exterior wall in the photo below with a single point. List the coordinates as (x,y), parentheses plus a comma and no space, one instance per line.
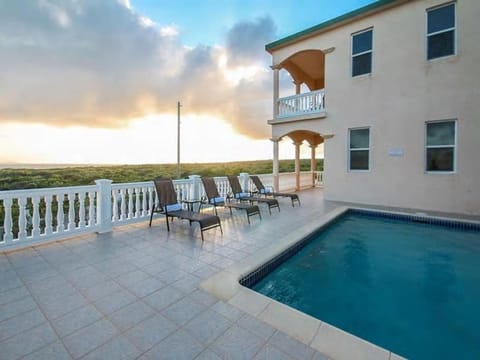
(403,91)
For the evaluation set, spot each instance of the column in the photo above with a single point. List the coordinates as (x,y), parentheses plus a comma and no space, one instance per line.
(313,163)
(297,165)
(244,179)
(104,205)
(275,91)
(276,183)
(195,182)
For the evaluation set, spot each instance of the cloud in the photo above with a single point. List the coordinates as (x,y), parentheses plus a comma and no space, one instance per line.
(246,40)
(99,64)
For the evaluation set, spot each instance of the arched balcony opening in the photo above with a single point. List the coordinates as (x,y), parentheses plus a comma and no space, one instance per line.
(299,138)
(307,71)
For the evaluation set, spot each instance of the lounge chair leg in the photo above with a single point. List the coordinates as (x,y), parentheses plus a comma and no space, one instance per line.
(151,217)
(168,226)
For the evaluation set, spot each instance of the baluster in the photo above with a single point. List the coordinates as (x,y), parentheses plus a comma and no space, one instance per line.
(60,214)
(36,217)
(152,201)
(115,205)
(123,205)
(7,222)
(48,214)
(81,209)
(91,208)
(71,211)
(22,233)
(130,202)
(144,202)
(138,192)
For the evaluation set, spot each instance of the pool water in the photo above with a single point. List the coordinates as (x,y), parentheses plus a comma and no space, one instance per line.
(412,288)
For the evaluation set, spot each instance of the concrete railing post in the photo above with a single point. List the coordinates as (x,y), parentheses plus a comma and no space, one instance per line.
(104,205)
(245,181)
(194,187)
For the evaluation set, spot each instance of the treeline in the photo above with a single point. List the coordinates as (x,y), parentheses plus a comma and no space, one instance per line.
(13,179)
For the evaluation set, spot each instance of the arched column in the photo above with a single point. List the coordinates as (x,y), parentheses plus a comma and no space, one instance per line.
(313,163)
(275,91)
(275,164)
(297,165)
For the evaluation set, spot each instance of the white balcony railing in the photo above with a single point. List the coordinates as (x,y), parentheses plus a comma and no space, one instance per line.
(29,217)
(301,104)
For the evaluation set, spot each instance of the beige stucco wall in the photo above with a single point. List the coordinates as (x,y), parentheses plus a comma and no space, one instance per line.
(402,93)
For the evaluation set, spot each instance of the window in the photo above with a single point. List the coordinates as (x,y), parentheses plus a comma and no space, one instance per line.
(362,53)
(440,146)
(359,149)
(441,31)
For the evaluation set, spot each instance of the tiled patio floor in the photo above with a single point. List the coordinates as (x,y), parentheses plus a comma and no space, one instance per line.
(132,294)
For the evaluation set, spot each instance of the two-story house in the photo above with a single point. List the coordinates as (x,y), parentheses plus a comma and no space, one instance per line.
(392,94)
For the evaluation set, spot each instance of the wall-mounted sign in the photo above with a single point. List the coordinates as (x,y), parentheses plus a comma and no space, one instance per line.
(395,152)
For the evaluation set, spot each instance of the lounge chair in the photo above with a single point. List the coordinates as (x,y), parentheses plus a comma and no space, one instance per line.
(267,192)
(214,199)
(169,206)
(241,195)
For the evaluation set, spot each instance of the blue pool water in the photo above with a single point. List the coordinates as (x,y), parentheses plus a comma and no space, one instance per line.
(412,288)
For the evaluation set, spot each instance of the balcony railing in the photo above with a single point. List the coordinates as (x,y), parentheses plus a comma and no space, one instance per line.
(301,104)
(29,217)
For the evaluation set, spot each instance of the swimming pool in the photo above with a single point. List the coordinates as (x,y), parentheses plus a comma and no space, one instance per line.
(400,283)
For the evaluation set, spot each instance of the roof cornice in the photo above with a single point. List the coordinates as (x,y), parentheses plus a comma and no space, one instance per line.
(372,8)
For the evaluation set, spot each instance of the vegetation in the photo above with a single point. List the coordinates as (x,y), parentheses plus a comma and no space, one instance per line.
(12,179)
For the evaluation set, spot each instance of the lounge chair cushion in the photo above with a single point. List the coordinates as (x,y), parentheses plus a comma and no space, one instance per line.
(174,207)
(241,195)
(217,200)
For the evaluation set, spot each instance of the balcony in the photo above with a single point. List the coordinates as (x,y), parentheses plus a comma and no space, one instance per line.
(304,106)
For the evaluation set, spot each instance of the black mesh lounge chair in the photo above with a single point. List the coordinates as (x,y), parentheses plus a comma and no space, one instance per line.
(214,199)
(241,195)
(169,206)
(267,192)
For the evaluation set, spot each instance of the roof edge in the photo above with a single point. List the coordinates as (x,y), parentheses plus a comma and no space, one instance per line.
(378,5)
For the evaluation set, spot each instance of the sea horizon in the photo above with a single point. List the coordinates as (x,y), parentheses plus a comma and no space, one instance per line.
(69,165)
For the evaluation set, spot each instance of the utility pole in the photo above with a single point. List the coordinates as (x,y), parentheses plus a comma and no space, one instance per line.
(178,140)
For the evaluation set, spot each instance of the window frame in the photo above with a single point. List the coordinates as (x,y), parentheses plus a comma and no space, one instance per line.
(349,149)
(427,35)
(454,146)
(352,56)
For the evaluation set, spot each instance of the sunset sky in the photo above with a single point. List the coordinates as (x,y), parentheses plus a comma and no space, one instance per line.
(98,81)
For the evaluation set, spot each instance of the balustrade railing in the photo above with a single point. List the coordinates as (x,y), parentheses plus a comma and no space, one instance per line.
(37,215)
(27,215)
(301,104)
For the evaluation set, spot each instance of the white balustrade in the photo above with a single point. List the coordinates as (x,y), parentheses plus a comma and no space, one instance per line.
(33,216)
(287,180)
(37,215)
(301,104)
(131,202)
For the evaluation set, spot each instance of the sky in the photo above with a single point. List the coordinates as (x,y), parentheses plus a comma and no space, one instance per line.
(97,82)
